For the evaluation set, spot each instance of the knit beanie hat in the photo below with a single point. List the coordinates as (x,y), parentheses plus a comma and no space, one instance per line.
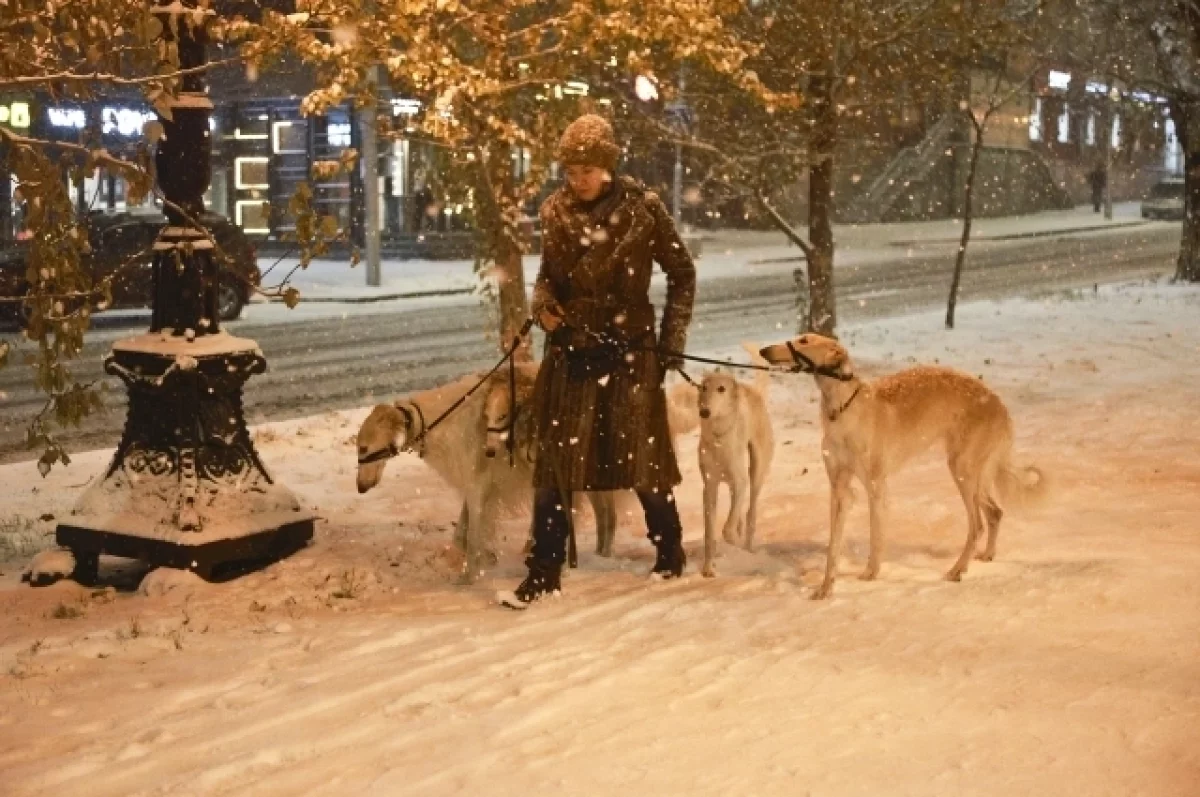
(589,141)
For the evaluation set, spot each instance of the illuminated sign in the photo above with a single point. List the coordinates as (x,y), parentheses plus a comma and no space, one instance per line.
(1059,80)
(405,107)
(122,121)
(339,134)
(14,114)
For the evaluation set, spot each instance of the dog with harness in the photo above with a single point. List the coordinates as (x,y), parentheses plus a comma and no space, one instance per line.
(872,429)
(446,427)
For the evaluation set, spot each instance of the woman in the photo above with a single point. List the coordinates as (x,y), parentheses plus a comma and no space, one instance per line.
(601,409)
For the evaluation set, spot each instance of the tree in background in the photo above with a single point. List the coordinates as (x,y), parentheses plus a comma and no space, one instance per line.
(494,78)
(852,65)
(499,79)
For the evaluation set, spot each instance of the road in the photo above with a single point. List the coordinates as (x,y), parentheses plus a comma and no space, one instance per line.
(338,359)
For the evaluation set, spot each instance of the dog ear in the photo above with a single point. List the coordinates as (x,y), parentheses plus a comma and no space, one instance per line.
(841,361)
(405,414)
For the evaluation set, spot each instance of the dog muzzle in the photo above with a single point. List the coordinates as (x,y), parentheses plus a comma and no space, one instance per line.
(391,452)
(802,363)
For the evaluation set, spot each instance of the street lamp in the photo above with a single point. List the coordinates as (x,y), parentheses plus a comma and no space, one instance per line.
(186,487)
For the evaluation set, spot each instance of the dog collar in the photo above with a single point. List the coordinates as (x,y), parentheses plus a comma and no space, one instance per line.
(392,450)
(837,413)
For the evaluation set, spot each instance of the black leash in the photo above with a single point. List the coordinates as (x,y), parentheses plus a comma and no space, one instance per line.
(418,443)
(508,355)
(803,364)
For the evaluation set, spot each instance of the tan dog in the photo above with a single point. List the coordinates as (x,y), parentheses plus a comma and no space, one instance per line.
(456,450)
(737,445)
(871,430)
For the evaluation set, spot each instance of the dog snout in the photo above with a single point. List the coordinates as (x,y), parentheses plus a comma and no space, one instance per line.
(490,453)
(362,488)
(705,413)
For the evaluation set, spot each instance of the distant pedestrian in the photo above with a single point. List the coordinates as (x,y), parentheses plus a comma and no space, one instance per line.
(1098,177)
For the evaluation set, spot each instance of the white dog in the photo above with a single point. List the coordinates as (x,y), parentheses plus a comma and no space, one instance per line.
(737,445)
(455,449)
(871,430)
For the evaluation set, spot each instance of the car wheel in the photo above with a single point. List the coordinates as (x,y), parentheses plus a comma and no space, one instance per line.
(229,302)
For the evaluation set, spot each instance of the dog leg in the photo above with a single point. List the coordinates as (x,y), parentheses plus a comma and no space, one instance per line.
(476,536)
(460,533)
(739,503)
(969,487)
(877,500)
(992,513)
(757,479)
(839,488)
(710,524)
(604,507)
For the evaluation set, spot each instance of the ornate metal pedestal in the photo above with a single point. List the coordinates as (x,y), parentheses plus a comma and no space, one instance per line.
(185,488)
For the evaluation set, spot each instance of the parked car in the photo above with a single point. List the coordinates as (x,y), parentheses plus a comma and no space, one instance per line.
(1165,200)
(116,237)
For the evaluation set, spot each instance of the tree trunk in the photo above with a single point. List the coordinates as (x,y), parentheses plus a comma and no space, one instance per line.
(822,306)
(1187,127)
(514,304)
(494,192)
(968,217)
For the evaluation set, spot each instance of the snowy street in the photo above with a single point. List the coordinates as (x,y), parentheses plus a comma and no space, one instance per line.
(1067,666)
(334,355)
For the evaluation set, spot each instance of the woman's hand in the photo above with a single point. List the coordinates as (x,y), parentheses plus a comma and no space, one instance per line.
(550,318)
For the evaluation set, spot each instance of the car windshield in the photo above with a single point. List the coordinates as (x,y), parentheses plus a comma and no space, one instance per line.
(1171,190)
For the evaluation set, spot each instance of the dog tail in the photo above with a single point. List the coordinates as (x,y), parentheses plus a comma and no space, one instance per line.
(762,379)
(1024,488)
(683,409)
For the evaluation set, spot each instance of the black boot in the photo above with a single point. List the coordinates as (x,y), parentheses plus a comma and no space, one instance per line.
(666,532)
(669,561)
(543,580)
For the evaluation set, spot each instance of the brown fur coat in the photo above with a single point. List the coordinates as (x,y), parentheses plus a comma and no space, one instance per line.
(601,412)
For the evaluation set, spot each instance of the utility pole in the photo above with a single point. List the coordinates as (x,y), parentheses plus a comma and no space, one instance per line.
(369,158)
(680,126)
(1113,95)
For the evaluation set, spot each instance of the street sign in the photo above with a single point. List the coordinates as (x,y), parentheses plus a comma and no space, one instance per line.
(680,116)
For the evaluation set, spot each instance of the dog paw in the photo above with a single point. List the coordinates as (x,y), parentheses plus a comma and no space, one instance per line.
(954,575)
(985,556)
(870,574)
(822,592)
(709,571)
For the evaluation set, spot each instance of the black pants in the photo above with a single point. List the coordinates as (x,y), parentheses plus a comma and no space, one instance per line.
(550,529)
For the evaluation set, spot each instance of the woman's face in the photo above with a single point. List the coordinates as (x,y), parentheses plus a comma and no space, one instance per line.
(587,182)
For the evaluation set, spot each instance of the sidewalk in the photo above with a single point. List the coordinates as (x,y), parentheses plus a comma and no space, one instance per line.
(725,253)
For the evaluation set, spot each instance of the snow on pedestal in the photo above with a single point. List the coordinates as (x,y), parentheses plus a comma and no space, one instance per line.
(185,487)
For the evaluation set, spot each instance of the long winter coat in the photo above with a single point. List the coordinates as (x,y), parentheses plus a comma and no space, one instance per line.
(601,409)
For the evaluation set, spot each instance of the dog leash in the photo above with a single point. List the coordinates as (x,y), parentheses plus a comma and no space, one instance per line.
(803,364)
(411,445)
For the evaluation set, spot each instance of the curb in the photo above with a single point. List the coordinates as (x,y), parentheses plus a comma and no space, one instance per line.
(1020,235)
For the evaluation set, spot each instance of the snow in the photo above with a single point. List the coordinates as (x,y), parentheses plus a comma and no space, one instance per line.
(1069,665)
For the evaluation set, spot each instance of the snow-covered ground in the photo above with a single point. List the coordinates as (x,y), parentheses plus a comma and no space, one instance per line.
(1071,665)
